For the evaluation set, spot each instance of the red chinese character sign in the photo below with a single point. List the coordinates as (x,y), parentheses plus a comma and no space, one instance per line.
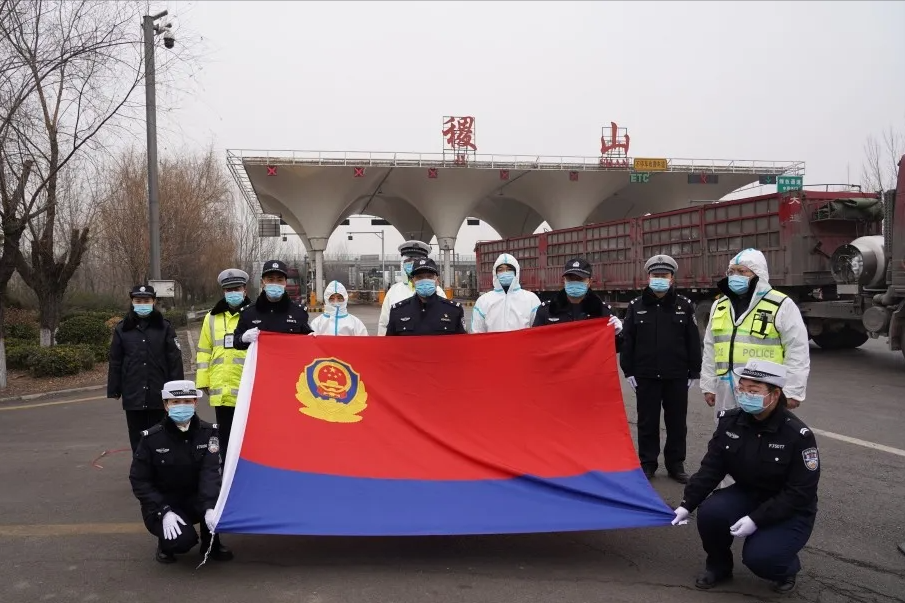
(614,147)
(459,138)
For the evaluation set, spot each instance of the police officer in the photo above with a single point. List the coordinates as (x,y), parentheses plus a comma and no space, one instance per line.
(218,361)
(426,313)
(411,251)
(660,357)
(773,457)
(175,475)
(576,301)
(144,354)
(272,311)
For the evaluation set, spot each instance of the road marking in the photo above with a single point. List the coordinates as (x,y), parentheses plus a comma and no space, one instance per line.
(857,442)
(57,403)
(71,529)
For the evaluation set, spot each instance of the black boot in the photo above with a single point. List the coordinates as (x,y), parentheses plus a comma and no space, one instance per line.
(164,557)
(218,551)
(677,472)
(711,578)
(784,586)
(649,471)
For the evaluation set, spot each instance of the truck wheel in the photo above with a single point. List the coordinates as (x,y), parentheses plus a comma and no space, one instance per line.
(844,339)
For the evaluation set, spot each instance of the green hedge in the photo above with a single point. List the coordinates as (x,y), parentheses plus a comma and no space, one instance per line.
(23,331)
(83,329)
(176,317)
(102,315)
(19,356)
(60,360)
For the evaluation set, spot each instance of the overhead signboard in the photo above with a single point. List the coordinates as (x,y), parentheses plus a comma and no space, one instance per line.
(789,183)
(639,177)
(642,164)
(767,179)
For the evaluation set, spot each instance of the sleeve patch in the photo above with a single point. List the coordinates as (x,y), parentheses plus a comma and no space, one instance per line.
(811,458)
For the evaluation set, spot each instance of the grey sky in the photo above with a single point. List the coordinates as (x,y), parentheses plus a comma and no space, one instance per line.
(711,80)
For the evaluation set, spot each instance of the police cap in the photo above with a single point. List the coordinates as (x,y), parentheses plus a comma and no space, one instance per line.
(179,390)
(661,262)
(763,371)
(579,267)
(274,266)
(232,277)
(414,249)
(425,265)
(143,291)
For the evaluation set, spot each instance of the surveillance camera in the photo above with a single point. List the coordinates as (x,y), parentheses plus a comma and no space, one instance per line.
(169,38)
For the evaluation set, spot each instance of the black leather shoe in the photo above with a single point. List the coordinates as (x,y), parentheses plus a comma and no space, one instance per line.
(218,551)
(164,557)
(710,578)
(649,472)
(677,472)
(784,586)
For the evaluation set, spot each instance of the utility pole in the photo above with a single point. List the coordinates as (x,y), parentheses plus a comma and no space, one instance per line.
(150,30)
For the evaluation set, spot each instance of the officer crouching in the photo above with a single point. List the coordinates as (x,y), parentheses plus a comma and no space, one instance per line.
(772,456)
(426,313)
(175,476)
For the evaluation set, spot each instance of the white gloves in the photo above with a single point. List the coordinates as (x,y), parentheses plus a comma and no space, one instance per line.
(690,381)
(251,335)
(209,519)
(743,527)
(171,527)
(312,334)
(633,383)
(681,517)
(614,320)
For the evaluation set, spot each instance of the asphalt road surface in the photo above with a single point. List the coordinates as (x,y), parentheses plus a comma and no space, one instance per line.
(70,529)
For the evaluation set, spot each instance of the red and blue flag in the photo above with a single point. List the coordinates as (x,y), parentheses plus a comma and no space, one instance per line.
(494,433)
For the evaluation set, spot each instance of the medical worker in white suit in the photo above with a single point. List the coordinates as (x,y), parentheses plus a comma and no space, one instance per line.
(508,307)
(750,321)
(410,251)
(336,319)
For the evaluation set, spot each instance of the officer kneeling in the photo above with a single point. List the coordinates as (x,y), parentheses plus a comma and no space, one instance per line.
(176,476)
(772,456)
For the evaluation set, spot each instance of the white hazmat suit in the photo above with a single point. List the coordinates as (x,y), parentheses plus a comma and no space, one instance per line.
(792,331)
(397,293)
(336,319)
(502,310)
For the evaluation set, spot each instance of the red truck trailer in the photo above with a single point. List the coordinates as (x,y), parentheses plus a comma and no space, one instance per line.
(826,250)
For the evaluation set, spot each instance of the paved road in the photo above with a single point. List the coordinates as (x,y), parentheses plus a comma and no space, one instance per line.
(69,528)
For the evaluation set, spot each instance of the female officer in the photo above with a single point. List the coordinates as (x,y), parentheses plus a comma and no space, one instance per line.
(772,456)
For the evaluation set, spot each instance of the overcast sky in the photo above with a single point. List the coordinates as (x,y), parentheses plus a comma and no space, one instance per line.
(711,80)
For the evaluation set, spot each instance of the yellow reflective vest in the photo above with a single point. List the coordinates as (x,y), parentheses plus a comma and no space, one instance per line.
(219,368)
(755,338)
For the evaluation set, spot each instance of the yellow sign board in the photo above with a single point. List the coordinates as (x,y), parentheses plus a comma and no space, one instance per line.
(650,165)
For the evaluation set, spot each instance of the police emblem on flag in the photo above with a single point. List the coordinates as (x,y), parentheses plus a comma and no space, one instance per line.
(330,390)
(811,459)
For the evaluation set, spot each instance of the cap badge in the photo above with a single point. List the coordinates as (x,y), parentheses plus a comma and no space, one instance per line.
(275,265)
(422,263)
(142,289)
(575,265)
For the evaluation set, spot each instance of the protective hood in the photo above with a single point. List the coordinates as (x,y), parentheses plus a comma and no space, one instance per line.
(506,258)
(331,309)
(754,261)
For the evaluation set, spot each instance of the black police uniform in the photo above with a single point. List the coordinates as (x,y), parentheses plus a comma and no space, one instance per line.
(776,467)
(434,315)
(144,354)
(178,471)
(661,349)
(281,316)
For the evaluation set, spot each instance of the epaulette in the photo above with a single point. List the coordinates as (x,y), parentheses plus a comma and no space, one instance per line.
(454,303)
(728,413)
(542,304)
(798,425)
(152,430)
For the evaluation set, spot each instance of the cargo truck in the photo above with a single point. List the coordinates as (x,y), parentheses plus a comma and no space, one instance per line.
(829,251)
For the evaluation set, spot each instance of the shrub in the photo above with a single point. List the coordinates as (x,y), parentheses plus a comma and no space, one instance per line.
(89,330)
(58,361)
(86,355)
(19,356)
(112,322)
(102,315)
(176,317)
(24,331)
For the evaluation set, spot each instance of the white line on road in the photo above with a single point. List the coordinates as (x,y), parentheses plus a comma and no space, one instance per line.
(857,442)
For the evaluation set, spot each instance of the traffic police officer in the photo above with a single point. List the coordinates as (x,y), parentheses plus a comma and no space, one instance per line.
(411,251)
(175,475)
(272,311)
(660,357)
(576,301)
(218,361)
(426,313)
(773,457)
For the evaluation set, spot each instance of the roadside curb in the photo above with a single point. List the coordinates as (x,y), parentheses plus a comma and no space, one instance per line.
(61,392)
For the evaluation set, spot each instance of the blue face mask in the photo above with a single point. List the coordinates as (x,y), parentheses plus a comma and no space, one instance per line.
(407,266)
(234,298)
(659,285)
(142,309)
(506,278)
(750,403)
(274,291)
(739,284)
(576,289)
(425,287)
(180,413)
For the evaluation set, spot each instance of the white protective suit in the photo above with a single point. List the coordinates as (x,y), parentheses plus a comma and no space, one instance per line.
(792,331)
(397,293)
(499,310)
(336,319)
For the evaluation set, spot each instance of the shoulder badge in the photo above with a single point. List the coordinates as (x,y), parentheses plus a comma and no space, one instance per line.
(804,432)
(811,459)
(151,430)
(722,414)
(215,425)
(213,445)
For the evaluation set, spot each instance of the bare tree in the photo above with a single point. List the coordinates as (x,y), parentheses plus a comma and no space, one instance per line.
(881,160)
